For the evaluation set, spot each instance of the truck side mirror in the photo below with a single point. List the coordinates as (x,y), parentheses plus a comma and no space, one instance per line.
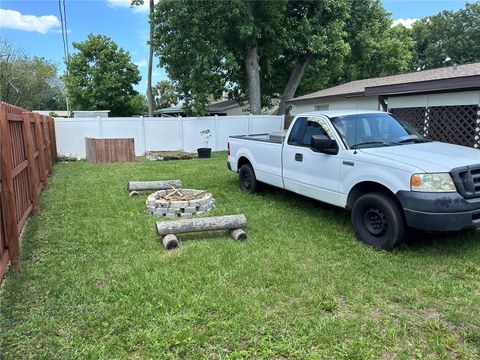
(324,144)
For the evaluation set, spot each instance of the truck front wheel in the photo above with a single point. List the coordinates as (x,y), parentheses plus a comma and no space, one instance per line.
(378,221)
(247,181)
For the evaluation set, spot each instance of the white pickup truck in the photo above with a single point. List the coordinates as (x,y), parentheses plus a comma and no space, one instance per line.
(379,168)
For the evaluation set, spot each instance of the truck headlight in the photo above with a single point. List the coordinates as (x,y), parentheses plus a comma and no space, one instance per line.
(437,182)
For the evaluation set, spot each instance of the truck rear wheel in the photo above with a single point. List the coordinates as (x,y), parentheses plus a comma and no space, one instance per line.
(378,221)
(247,181)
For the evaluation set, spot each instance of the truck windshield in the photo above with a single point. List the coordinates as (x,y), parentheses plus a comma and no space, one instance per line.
(374,130)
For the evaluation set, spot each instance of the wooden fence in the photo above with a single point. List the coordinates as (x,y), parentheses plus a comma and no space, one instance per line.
(27,154)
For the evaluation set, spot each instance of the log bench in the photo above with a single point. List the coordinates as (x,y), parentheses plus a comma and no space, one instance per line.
(133,187)
(168,230)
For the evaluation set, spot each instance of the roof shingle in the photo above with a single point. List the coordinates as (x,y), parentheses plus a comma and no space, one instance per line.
(357,87)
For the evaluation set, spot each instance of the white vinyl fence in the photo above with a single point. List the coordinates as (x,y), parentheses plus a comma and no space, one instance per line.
(158,133)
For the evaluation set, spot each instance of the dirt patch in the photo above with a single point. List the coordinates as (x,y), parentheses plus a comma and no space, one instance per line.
(168,155)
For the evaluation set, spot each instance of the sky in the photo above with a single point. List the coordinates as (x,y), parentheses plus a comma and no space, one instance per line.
(34,25)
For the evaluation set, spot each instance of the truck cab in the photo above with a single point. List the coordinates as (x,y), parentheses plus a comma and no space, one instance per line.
(381,169)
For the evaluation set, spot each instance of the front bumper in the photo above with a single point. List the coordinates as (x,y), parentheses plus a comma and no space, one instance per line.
(439,211)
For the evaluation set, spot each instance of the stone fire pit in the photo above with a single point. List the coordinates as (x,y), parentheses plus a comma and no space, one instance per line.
(179,202)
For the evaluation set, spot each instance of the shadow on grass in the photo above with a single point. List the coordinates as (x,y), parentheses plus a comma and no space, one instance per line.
(451,243)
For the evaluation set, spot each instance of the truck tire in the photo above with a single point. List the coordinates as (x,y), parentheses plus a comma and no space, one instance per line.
(247,181)
(378,221)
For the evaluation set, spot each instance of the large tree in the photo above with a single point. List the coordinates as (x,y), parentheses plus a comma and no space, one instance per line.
(164,95)
(101,76)
(29,82)
(255,49)
(376,49)
(447,38)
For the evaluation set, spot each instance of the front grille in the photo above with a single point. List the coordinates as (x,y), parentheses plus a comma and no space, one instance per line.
(467,180)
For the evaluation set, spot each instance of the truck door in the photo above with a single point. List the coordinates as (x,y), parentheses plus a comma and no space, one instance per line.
(289,163)
(317,175)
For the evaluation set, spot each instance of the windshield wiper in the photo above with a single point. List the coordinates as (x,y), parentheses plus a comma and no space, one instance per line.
(355,146)
(415,140)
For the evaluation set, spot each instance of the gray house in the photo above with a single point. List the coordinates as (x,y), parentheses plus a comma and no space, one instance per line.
(443,103)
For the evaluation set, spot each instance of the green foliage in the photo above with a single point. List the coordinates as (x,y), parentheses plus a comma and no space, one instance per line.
(450,37)
(96,282)
(29,82)
(376,49)
(202,44)
(164,95)
(101,77)
(138,104)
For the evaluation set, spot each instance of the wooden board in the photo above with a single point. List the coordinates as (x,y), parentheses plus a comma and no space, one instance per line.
(101,151)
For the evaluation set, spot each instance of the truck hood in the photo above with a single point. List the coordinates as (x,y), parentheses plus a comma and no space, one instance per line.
(429,157)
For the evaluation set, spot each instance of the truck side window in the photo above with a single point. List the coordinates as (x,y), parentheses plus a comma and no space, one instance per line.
(295,137)
(313,128)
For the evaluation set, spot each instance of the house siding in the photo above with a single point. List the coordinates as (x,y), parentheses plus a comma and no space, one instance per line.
(363,103)
(445,99)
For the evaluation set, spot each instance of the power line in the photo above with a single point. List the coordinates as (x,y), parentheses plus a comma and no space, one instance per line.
(66,28)
(63,29)
(63,21)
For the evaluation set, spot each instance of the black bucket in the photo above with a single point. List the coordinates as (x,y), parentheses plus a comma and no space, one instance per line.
(204,153)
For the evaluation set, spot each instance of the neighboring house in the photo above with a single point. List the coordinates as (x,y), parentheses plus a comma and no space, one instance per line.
(220,108)
(443,103)
(59,113)
(91,114)
(76,114)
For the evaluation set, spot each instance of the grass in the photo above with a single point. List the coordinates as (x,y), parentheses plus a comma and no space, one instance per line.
(96,282)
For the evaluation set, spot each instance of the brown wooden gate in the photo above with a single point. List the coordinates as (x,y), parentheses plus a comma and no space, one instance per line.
(27,155)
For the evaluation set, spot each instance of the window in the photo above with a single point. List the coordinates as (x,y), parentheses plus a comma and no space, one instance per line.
(313,128)
(297,131)
(321,107)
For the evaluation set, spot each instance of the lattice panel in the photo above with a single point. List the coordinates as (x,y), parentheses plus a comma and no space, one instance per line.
(458,124)
(415,116)
(454,124)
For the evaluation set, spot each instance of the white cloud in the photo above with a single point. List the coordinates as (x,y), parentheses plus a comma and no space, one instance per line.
(141,63)
(11,19)
(405,22)
(127,4)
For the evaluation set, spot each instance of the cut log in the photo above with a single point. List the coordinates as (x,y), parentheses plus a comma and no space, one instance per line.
(170,242)
(153,185)
(228,222)
(238,234)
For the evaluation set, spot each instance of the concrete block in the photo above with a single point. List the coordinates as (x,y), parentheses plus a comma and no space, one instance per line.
(179,204)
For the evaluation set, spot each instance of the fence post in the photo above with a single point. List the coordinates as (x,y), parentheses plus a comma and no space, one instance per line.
(53,140)
(46,139)
(11,230)
(142,132)
(41,150)
(216,133)
(182,140)
(34,177)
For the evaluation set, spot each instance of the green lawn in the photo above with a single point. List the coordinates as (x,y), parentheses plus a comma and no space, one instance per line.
(96,282)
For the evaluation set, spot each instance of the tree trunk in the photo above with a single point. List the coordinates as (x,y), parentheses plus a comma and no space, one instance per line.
(228,222)
(150,65)
(253,75)
(153,185)
(293,83)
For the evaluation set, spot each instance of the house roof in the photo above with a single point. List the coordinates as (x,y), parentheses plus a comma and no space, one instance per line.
(452,77)
(60,113)
(213,108)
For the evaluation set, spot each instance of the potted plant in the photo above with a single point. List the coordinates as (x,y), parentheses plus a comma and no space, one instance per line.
(205,152)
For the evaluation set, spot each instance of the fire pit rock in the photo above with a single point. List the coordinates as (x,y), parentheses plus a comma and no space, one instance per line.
(179,203)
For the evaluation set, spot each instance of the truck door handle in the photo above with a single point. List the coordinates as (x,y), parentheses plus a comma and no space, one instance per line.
(298,157)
